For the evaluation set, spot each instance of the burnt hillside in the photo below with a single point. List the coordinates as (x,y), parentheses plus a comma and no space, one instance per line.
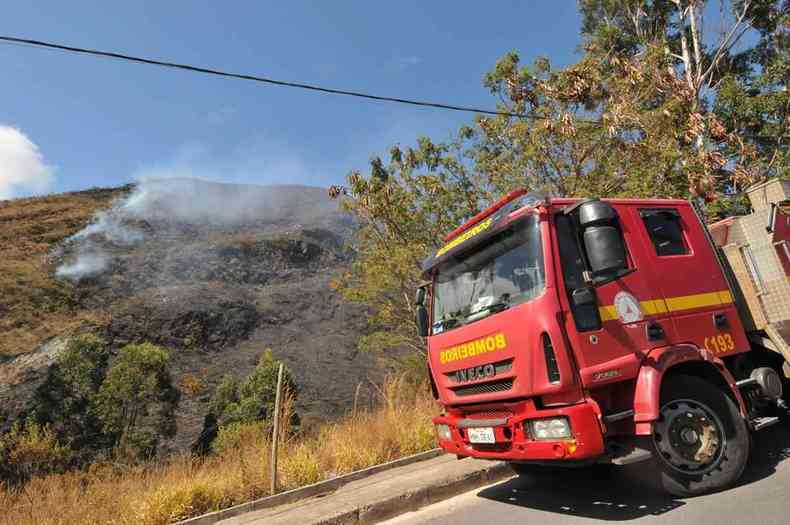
(215,273)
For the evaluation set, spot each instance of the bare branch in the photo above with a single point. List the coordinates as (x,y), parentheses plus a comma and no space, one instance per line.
(684,44)
(730,40)
(695,38)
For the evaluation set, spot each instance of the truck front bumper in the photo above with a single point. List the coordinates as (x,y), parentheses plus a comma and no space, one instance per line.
(514,436)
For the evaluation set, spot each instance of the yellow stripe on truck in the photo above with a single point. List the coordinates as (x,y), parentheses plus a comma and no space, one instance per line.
(656,306)
(673,304)
(608,313)
(689,302)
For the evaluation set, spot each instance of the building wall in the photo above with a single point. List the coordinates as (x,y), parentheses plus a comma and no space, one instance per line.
(763,195)
(756,246)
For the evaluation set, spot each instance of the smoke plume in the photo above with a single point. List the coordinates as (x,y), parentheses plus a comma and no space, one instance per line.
(155,204)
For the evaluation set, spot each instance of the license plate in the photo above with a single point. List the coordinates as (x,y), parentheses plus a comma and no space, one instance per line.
(481,435)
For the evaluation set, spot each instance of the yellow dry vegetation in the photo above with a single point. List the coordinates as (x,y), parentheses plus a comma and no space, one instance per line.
(237,472)
(33,305)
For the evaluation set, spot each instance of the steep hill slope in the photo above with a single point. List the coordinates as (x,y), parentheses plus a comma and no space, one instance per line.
(213,272)
(33,305)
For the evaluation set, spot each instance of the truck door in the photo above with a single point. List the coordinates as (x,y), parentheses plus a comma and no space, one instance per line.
(695,291)
(613,349)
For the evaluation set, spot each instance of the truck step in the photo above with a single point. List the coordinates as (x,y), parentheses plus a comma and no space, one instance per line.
(760,423)
(634,456)
(618,416)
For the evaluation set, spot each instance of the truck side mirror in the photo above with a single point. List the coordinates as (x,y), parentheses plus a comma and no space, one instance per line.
(421,314)
(603,240)
(605,250)
(419,296)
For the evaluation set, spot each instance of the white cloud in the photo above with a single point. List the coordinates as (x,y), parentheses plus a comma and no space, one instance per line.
(22,167)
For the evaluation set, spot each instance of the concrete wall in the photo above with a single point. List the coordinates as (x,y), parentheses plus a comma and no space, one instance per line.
(758,253)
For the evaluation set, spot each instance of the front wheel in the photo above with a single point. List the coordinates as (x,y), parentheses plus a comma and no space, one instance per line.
(700,440)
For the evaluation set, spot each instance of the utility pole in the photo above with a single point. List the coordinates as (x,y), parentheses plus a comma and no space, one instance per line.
(276,429)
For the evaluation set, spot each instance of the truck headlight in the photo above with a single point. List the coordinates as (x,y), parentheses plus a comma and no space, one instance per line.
(551,428)
(443,433)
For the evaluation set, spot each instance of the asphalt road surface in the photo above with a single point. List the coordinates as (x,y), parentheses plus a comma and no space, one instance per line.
(628,495)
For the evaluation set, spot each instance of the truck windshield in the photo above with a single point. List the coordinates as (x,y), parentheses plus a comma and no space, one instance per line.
(503,271)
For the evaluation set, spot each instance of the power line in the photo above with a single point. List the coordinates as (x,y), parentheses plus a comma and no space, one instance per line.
(299,85)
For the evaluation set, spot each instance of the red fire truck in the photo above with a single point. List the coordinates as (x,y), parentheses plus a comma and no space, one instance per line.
(579,332)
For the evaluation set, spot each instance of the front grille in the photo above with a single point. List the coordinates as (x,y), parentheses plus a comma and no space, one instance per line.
(492,447)
(489,414)
(484,388)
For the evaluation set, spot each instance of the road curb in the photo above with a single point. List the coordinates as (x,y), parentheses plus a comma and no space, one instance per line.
(322,487)
(389,508)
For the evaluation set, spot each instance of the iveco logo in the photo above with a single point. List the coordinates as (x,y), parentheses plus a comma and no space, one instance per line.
(475,372)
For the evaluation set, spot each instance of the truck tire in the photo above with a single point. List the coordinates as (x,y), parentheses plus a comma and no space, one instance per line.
(700,440)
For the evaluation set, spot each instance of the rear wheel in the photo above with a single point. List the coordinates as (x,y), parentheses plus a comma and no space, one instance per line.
(700,440)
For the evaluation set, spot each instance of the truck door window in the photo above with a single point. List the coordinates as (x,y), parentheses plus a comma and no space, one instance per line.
(586,317)
(665,231)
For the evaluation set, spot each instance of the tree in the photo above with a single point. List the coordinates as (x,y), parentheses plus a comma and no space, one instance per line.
(137,382)
(252,399)
(737,100)
(63,401)
(756,102)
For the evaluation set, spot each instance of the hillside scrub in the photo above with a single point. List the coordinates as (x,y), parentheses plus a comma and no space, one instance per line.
(237,472)
(253,399)
(33,306)
(94,407)
(29,450)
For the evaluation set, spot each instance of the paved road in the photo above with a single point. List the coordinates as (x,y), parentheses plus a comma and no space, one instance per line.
(762,497)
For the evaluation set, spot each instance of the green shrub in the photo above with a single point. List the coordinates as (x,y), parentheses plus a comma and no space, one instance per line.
(30,450)
(234,437)
(253,399)
(136,383)
(63,400)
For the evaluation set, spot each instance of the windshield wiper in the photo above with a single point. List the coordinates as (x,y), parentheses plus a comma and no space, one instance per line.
(502,304)
(451,322)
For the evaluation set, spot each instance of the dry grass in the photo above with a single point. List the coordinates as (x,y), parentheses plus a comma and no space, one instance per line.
(33,306)
(238,472)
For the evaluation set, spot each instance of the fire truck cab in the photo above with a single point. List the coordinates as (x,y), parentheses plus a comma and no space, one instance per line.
(578,332)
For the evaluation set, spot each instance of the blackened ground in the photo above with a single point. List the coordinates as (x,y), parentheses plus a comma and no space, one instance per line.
(216,295)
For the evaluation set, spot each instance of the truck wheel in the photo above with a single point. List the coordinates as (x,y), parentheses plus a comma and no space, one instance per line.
(701,441)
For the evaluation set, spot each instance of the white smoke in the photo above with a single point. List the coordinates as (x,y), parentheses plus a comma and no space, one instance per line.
(88,256)
(87,263)
(184,201)
(110,225)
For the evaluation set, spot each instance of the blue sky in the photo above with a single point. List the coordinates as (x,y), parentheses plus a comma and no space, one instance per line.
(99,122)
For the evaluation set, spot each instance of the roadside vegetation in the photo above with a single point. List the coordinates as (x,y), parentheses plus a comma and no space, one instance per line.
(237,469)
(92,408)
